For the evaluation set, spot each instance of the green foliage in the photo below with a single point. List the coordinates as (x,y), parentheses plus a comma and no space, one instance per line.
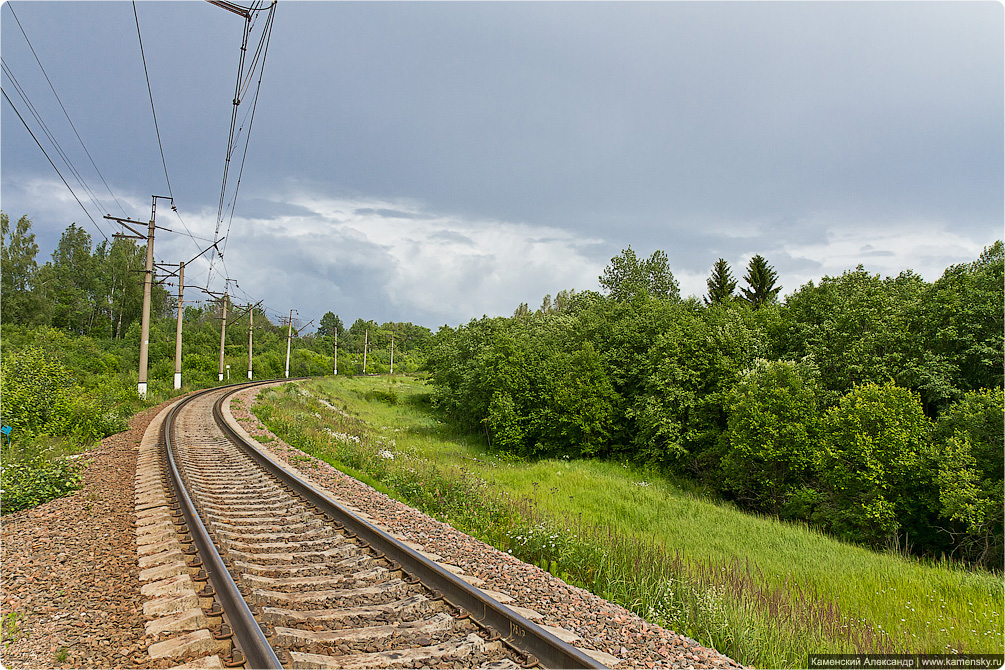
(764,592)
(628,277)
(970,443)
(690,368)
(379,395)
(41,398)
(504,424)
(721,284)
(36,392)
(772,433)
(859,328)
(31,482)
(330,326)
(18,271)
(762,280)
(674,384)
(81,290)
(869,463)
(10,628)
(964,323)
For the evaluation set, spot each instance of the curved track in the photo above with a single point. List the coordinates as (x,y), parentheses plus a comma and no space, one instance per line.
(302,582)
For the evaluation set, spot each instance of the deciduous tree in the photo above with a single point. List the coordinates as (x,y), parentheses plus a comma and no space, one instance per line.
(19,272)
(627,277)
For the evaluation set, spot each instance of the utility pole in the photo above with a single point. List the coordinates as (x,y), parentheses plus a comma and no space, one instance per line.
(366,338)
(335,371)
(289,336)
(392,352)
(251,329)
(141,386)
(223,332)
(177,334)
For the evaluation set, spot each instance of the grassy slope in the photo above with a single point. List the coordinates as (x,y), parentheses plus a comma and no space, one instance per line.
(924,608)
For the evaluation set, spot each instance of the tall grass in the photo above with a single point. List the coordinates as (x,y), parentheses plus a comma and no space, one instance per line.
(763,592)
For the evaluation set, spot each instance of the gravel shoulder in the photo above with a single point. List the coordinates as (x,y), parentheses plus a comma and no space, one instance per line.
(68,569)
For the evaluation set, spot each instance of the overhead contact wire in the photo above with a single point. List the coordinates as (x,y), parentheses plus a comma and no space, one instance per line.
(266,36)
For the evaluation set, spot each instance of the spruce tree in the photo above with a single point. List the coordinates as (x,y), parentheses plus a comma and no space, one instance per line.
(761,278)
(720,285)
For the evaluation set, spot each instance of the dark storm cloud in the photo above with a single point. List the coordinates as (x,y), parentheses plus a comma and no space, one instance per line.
(803,131)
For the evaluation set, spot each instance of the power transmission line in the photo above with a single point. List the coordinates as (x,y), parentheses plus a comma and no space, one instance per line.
(52,138)
(61,106)
(11,103)
(150,91)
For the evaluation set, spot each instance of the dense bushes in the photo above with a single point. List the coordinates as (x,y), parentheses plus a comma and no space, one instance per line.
(772,429)
(29,482)
(40,398)
(859,405)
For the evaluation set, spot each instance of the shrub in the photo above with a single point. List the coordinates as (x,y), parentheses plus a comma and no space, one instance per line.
(969,443)
(870,462)
(35,392)
(29,482)
(772,429)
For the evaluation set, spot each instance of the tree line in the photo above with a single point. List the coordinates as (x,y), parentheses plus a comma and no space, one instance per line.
(95,292)
(869,407)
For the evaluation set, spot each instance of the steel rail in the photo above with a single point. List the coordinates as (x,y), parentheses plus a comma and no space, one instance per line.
(515,630)
(251,640)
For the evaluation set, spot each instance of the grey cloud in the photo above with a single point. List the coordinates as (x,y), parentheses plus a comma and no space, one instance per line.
(387,213)
(451,237)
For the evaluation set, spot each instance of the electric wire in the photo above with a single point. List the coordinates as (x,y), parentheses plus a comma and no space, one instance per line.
(61,106)
(230,135)
(151,92)
(266,35)
(52,139)
(241,87)
(28,128)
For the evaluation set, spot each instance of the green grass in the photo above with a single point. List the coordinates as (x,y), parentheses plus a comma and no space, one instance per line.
(764,592)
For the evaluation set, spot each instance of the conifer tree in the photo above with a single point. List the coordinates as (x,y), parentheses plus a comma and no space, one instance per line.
(720,285)
(761,278)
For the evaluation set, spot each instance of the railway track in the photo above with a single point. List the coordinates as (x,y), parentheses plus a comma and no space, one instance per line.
(249,566)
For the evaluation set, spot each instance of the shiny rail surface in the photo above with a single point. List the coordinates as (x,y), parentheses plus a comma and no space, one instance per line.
(303,582)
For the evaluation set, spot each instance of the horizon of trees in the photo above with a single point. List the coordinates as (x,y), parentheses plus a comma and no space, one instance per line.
(868,407)
(96,292)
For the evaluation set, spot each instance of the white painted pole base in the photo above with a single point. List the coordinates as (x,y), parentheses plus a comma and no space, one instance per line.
(221,377)
(141,390)
(249,374)
(177,380)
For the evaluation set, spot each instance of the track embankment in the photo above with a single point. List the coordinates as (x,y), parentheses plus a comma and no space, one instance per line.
(72,594)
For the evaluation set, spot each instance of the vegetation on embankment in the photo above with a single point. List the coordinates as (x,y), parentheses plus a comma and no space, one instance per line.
(867,407)
(763,591)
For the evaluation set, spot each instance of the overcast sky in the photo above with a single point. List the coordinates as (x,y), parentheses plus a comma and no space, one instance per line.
(436,161)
